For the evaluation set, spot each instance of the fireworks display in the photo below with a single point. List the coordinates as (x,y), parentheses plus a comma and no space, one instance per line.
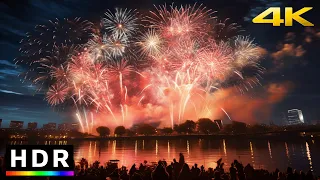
(164,66)
(49,47)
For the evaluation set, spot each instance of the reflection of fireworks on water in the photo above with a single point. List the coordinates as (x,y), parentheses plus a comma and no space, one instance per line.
(188,54)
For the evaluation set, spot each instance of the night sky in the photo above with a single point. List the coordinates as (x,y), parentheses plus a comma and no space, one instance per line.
(292,53)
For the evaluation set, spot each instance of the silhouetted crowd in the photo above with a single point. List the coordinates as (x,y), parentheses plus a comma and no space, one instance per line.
(179,170)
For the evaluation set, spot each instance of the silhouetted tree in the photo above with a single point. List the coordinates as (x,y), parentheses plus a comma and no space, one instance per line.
(129,132)
(187,127)
(239,127)
(206,126)
(228,128)
(259,128)
(120,130)
(167,130)
(75,134)
(103,131)
(146,129)
(176,128)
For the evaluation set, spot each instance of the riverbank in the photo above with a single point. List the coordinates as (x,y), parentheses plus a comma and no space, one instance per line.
(271,135)
(279,136)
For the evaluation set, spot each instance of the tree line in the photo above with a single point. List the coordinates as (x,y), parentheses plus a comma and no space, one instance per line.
(202,126)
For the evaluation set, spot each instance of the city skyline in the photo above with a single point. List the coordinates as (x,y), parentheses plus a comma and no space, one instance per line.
(31,125)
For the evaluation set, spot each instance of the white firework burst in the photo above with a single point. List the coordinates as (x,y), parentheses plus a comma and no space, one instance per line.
(116,44)
(150,43)
(246,52)
(123,21)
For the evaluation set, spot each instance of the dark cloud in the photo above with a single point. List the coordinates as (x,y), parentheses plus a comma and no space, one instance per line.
(290,50)
(259,6)
(7,63)
(293,47)
(10,72)
(10,92)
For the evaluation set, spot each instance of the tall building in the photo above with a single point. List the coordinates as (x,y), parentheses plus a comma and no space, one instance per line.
(16,124)
(69,127)
(219,123)
(32,125)
(75,127)
(64,127)
(50,126)
(295,116)
(0,122)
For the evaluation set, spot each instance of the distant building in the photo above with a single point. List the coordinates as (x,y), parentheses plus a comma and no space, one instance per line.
(64,127)
(295,117)
(50,126)
(75,127)
(219,123)
(16,124)
(0,122)
(69,127)
(32,125)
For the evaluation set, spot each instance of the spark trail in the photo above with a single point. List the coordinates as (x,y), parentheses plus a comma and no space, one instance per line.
(158,68)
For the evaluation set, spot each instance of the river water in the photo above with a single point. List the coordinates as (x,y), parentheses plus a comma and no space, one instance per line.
(266,154)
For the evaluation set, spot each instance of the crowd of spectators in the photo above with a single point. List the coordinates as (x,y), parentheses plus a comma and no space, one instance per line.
(177,170)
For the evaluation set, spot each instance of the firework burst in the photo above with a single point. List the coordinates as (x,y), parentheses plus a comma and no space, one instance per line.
(150,43)
(188,54)
(49,46)
(121,22)
(178,21)
(57,93)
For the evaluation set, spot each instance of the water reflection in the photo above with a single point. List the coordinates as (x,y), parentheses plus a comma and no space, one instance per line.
(168,151)
(224,147)
(261,154)
(252,155)
(95,148)
(156,147)
(309,155)
(136,148)
(90,152)
(143,144)
(287,149)
(188,148)
(269,148)
(114,145)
